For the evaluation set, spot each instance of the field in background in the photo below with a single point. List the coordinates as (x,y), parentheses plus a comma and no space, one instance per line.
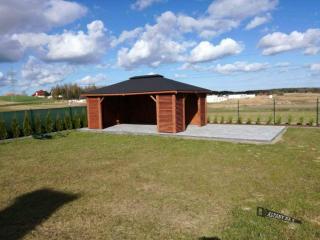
(296,105)
(17,103)
(99,186)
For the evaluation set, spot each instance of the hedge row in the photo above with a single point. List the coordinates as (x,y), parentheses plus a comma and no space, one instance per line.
(36,126)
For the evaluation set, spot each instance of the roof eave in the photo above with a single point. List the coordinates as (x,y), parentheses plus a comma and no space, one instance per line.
(143,93)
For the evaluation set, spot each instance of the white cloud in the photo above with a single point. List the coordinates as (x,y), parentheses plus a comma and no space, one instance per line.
(127,35)
(239,67)
(177,75)
(36,73)
(257,21)
(279,42)
(158,44)
(236,67)
(240,9)
(29,19)
(315,67)
(37,15)
(282,64)
(89,80)
(142,4)
(167,40)
(10,50)
(73,47)
(205,51)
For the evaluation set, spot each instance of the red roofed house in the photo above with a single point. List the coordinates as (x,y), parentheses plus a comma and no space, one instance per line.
(40,93)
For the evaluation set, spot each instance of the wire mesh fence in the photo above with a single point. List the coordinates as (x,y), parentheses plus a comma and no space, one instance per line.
(280,110)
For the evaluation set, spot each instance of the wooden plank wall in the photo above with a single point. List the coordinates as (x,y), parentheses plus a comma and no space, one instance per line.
(202,106)
(196,109)
(94,113)
(180,113)
(165,113)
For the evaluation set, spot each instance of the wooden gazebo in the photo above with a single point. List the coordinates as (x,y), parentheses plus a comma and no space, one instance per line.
(150,99)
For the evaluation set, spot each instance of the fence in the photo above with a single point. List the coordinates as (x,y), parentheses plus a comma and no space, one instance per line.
(292,110)
(7,117)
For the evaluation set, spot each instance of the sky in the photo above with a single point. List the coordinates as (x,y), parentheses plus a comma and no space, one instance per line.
(217,44)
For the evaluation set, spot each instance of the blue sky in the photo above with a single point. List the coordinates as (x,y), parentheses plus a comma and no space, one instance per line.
(217,44)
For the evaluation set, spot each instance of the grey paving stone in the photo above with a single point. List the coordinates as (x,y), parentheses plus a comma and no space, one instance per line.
(241,133)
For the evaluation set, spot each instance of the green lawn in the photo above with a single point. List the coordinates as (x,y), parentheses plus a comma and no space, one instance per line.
(22,99)
(99,186)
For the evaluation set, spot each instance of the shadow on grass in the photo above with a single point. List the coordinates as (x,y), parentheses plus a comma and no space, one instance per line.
(46,136)
(30,210)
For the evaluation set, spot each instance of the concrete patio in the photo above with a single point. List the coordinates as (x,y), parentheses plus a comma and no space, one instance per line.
(225,132)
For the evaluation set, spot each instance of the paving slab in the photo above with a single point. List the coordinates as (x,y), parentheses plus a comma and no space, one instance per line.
(226,132)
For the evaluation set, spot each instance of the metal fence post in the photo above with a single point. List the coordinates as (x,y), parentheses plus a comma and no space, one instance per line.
(274,111)
(317,122)
(238,111)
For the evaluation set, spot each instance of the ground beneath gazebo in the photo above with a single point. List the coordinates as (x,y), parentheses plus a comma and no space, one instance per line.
(226,132)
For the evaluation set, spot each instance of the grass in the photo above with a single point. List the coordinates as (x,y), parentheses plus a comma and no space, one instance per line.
(148,187)
(22,99)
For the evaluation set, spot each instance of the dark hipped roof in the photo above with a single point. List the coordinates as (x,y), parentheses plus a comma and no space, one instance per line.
(146,84)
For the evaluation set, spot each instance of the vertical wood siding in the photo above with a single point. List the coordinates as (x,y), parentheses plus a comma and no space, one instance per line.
(165,113)
(202,110)
(180,113)
(94,113)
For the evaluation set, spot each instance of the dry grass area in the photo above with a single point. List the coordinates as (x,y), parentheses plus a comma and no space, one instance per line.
(17,103)
(98,186)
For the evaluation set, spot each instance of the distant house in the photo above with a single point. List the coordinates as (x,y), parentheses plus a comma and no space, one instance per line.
(41,93)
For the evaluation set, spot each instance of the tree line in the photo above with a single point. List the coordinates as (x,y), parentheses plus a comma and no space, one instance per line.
(70,91)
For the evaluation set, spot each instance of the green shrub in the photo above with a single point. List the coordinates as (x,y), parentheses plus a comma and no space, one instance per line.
(289,120)
(239,121)
(3,130)
(84,121)
(222,119)
(230,120)
(215,119)
(311,122)
(279,120)
(49,123)
(77,121)
(269,121)
(258,120)
(301,121)
(15,128)
(249,121)
(37,125)
(27,130)
(59,123)
(67,121)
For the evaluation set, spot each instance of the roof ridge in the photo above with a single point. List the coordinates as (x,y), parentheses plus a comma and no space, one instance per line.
(147,76)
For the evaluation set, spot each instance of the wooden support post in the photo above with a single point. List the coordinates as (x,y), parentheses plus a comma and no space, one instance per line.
(153,98)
